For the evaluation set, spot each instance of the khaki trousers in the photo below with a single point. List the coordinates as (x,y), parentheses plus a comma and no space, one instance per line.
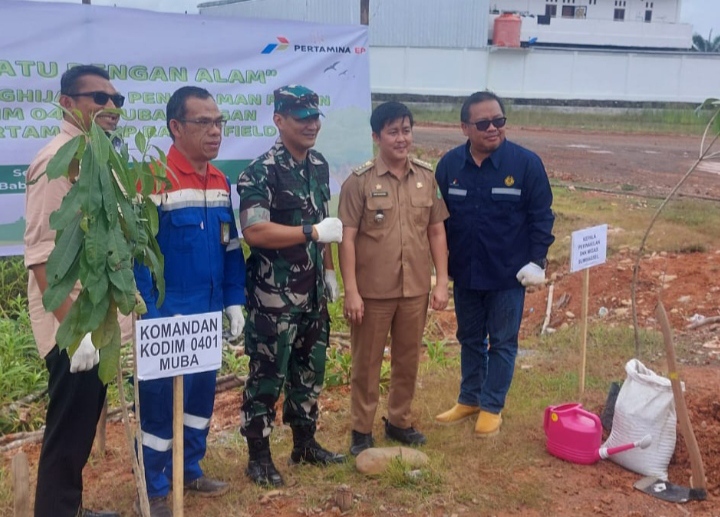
(404,319)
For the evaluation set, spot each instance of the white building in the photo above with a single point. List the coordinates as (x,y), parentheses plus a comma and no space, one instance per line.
(597,50)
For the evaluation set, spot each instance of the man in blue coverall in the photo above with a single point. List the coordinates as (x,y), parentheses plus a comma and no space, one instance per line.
(498,233)
(204,272)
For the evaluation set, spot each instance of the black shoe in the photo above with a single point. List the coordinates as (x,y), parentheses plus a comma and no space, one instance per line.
(158,507)
(307,450)
(261,469)
(207,487)
(360,442)
(408,436)
(84,512)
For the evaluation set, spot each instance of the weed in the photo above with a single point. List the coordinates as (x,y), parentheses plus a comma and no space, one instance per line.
(436,352)
(13,286)
(338,367)
(234,363)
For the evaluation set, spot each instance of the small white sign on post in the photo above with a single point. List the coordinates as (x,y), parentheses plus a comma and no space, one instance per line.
(168,347)
(588,248)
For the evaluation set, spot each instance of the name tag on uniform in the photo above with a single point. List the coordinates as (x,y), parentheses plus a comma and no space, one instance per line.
(379,194)
(457,192)
(507,191)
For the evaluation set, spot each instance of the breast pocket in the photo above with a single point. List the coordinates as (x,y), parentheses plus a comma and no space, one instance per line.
(457,199)
(506,200)
(421,202)
(287,209)
(377,215)
(187,231)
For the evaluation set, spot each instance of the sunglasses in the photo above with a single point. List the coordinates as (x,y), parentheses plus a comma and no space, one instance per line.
(483,125)
(101,98)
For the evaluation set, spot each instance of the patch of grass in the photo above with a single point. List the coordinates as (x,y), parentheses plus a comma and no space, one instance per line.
(631,120)
(23,372)
(13,286)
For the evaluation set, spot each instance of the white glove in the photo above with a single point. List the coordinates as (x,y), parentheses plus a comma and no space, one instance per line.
(332,289)
(237,320)
(531,274)
(329,230)
(85,357)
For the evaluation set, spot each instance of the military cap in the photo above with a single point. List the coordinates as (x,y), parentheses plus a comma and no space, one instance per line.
(296,100)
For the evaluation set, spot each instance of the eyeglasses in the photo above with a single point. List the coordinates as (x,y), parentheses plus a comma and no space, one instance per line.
(206,123)
(101,98)
(483,125)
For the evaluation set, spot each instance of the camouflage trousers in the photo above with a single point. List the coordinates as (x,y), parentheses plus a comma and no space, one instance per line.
(286,351)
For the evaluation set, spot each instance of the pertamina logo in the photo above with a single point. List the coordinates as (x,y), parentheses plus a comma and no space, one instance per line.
(284,43)
(272,47)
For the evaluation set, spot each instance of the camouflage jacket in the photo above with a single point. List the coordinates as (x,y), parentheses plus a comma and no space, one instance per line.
(275,188)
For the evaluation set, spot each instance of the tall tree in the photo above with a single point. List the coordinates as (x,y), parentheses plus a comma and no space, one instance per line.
(706,45)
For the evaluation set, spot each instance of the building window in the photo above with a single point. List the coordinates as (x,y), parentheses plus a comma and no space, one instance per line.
(648,16)
(551,10)
(619,15)
(568,11)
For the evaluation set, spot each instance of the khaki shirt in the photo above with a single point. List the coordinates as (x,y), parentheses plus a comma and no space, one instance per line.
(391,215)
(41,200)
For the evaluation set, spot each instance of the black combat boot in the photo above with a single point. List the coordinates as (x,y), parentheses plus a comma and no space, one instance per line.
(261,469)
(307,450)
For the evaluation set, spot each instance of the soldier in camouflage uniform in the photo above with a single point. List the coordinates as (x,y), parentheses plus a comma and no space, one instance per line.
(284,198)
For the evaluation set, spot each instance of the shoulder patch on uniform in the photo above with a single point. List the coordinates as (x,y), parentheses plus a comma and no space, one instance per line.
(359,171)
(421,163)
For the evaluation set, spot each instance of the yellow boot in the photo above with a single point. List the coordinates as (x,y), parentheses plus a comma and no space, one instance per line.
(458,413)
(488,424)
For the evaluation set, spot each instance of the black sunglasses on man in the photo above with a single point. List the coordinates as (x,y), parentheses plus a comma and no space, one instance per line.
(101,98)
(483,125)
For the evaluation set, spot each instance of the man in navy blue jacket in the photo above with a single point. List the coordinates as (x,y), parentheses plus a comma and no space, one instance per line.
(498,233)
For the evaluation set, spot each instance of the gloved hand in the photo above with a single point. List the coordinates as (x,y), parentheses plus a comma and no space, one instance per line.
(237,320)
(85,357)
(531,274)
(329,230)
(332,289)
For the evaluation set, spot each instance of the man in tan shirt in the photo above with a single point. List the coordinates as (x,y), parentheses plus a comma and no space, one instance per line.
(76,393)
(392,215)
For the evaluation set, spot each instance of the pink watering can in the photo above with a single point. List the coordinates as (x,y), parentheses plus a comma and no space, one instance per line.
(575,435)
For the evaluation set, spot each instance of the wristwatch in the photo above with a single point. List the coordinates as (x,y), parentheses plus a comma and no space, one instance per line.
(308,231)
(542,263)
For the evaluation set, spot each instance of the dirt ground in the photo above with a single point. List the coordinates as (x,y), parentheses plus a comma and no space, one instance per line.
(650,165)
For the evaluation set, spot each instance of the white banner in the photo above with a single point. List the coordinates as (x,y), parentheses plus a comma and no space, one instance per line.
(168,347)
(150,55)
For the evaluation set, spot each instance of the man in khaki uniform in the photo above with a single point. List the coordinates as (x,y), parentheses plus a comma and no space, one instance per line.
(392,214)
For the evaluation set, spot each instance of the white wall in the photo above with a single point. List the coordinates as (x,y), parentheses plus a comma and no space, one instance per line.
(547,73)
(665,11)
(605,33)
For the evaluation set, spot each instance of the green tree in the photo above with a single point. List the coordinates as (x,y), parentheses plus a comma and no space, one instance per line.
(105,222)
(706,45)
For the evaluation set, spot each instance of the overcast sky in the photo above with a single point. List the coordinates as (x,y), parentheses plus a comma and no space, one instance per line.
(702,14)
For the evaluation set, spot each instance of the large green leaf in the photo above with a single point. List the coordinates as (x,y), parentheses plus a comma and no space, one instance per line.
(96,243)
(156,262)
(140,142)
(150,212)
(68,335)
(57,292)
(100,143)
(109,197)
(92,315)
(69,208)
(109,329)
(109,360)
(118,250)
(67,246)
(124,301)
(122,171)
(59,164)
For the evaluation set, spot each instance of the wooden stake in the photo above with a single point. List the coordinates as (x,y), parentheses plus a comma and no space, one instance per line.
(585,296)
(178,446)
(100,434)
(21,485)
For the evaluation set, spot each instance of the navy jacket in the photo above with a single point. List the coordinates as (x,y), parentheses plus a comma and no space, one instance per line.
(500,214)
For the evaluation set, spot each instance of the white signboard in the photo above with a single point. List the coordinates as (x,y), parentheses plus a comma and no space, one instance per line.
(588,248)
(168,347)
(148,56)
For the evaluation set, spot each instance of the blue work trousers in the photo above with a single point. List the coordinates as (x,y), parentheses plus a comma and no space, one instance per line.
(487,369)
